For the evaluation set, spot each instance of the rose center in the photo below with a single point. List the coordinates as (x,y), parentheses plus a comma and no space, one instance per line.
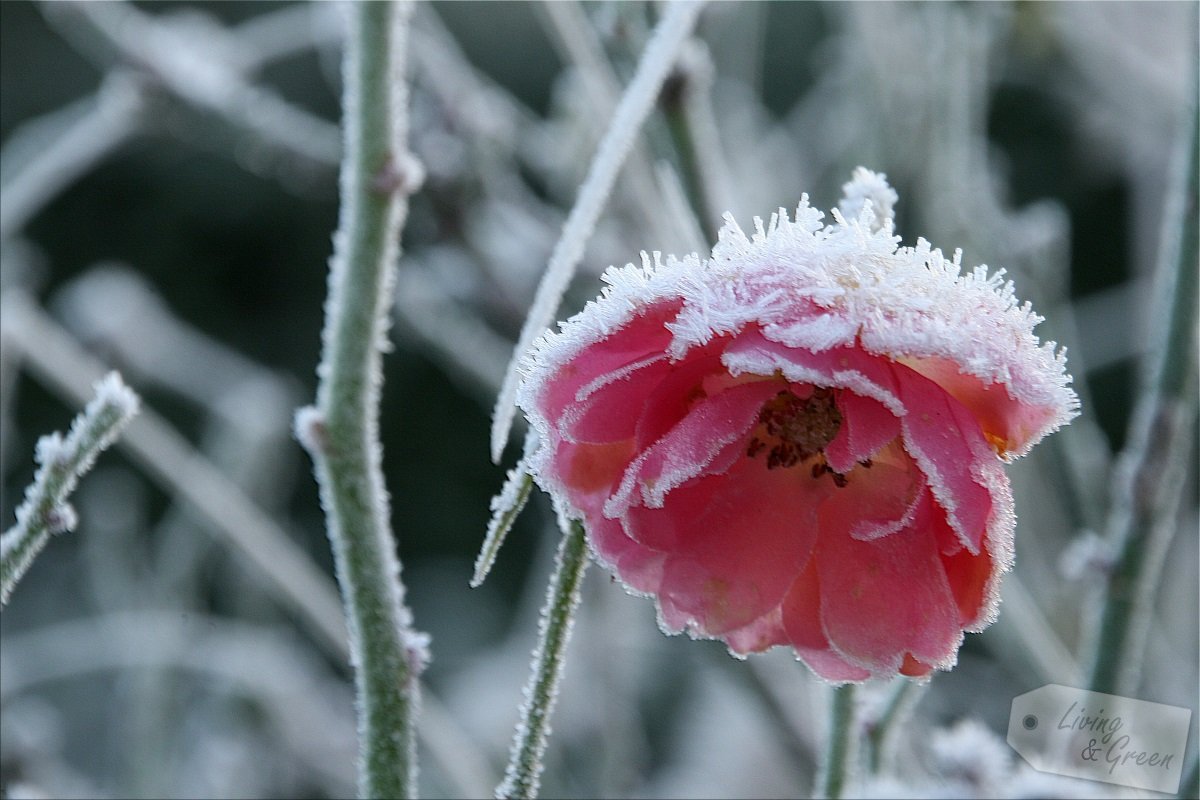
(793,429)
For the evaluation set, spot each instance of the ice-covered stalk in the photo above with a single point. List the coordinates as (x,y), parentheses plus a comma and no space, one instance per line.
(61,462)
(529,744)
(341,432)
(900,702)
(1151,471)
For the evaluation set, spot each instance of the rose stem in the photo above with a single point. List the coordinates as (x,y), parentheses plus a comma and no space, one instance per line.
(838,749)
(524,771)
(341,432)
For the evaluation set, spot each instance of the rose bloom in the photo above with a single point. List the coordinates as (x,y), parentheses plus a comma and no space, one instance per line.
(800,440)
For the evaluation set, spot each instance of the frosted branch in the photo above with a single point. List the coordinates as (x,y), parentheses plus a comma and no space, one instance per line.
(62,462)
(64,145)
(342,431)
(657,59)
(1150,473)
(523,776)
(197,70)
(171,461)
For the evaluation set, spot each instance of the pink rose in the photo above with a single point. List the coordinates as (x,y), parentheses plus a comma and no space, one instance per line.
(800,441)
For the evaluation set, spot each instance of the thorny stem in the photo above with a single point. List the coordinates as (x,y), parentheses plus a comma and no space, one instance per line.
(341,433)
(839,747)
(1151,471)
(524,771)
(62,463)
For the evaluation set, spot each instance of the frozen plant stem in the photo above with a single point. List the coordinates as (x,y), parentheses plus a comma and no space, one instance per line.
(62,461)
(900,702)
(341,432)
(1150,473)
(524,771)
(838,748)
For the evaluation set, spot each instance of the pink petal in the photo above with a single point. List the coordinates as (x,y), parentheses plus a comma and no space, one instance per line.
(971,579)
(591,469)
(841,367)
(801,612)
(948,445)
(761,634)
(877,500)
(685,452)
(1008,424)
(609,407)
(867,425)
(642,336)
(676,393)
(887,597)
(739,541)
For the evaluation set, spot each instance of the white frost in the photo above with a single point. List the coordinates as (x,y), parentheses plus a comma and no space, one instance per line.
(856,283)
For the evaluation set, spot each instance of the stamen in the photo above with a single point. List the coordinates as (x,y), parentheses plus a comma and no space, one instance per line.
(796,429)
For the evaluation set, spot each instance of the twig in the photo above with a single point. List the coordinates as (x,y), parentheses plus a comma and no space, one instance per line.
(170,460)
(635,105)
(68,143)
(198,72)
(342,431)
(1150,473)
(63,461)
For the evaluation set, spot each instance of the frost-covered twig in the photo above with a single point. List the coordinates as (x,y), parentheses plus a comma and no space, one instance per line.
(170,460)
(342,431)
(635,104)
(62,461)
(902,696)
(576,40)
(524,772)
(196,70)
(63,145)
(689,112)
(1151,471)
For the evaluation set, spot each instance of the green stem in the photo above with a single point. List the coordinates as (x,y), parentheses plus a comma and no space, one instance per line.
(524,771)
(1151,471)
(342,432)
(840,746)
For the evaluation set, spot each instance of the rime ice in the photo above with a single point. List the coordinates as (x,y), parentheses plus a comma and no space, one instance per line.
(800,440)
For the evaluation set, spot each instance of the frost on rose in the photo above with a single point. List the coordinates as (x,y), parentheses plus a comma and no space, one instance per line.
(800,440)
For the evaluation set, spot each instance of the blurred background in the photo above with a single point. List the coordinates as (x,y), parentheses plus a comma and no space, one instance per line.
(169,177)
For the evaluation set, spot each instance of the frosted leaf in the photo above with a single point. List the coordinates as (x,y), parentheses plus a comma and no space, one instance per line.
(506,507)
